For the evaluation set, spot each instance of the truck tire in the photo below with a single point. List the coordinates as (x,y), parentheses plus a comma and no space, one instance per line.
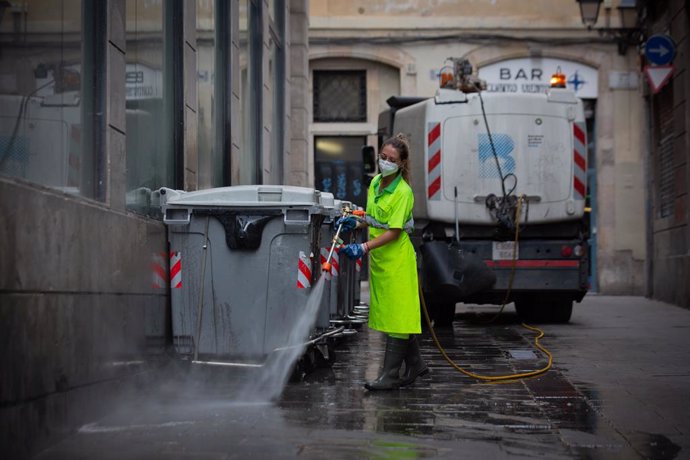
(529,311)
(555,311)
(561,311)
(441,312)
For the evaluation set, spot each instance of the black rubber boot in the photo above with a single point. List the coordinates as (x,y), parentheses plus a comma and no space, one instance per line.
(390,376)
(414,364)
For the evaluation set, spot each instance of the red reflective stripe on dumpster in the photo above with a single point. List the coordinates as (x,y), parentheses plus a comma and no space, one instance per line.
(158,272)
(335,262)
(303,272)
(175,270)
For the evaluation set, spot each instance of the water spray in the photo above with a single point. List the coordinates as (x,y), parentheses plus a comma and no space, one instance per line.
(326,266)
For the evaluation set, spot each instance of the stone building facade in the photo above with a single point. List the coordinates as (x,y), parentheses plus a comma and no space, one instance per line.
(398,48)
(102,103)
(668,159)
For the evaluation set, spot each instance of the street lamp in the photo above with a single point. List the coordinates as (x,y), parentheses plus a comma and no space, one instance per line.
(589,11)
(627,9)
(628,32)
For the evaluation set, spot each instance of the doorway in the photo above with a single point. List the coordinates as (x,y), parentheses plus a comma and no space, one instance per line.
(339,168)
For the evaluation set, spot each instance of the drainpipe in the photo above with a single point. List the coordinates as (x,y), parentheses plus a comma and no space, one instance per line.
(649,210)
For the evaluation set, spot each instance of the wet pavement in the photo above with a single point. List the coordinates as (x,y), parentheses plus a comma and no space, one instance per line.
(619,388)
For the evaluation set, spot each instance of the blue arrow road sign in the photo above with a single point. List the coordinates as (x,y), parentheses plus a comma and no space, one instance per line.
(660,49)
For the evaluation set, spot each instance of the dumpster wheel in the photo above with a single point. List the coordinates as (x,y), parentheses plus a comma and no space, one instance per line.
(321,356)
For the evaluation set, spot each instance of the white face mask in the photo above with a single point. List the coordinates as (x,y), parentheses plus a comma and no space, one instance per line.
(387,167)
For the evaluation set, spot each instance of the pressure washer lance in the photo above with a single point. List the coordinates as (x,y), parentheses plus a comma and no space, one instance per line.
(326,266)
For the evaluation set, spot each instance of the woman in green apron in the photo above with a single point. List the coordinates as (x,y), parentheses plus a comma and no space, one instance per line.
(394,296)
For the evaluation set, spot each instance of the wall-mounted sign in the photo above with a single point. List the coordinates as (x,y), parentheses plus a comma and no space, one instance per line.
(532,75)
(658,76)
(660,49)
(623,79)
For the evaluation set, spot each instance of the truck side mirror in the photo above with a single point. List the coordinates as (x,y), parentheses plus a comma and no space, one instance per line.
(369,159)
(369,163)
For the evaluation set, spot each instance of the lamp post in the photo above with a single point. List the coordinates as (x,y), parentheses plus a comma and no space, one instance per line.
(628,31)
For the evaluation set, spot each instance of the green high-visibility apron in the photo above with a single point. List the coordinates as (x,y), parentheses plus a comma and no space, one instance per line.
(394,296)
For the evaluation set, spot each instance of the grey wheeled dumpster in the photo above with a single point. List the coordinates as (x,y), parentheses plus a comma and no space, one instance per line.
(246,266)
(361,266)
(334,275)
(325,240)
(345,283)
(342,282)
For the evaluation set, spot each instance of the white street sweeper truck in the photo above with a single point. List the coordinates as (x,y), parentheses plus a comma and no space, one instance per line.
(500,183)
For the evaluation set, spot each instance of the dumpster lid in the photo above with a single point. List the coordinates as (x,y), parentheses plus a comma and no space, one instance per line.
(327,200)
(246,196)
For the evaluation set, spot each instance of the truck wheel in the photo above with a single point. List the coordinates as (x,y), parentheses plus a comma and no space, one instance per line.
(544,311)
(442,313)
(561,311)
(322,361)
(529,311)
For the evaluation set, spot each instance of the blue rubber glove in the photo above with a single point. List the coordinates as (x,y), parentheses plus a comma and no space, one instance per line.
(353,251)
(349,224)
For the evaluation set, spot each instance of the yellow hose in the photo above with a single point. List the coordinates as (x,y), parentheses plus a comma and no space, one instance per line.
(540,333)
(489,378)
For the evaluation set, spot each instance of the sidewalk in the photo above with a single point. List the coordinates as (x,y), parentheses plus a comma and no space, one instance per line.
(619,388)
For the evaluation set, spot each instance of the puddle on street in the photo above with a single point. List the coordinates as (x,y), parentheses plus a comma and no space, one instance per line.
(546,416)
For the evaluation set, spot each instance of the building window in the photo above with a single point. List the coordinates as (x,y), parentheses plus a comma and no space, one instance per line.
(251,89)
(340,96)
(150,156)
(276,66)
(42,100)
(223,82)
(210,168)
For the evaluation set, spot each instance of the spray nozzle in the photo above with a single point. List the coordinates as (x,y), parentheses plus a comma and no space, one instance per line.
(326,266)
(347,211)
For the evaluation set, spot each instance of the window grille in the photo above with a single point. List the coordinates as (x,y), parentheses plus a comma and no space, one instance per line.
(340,96)
(665,157)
